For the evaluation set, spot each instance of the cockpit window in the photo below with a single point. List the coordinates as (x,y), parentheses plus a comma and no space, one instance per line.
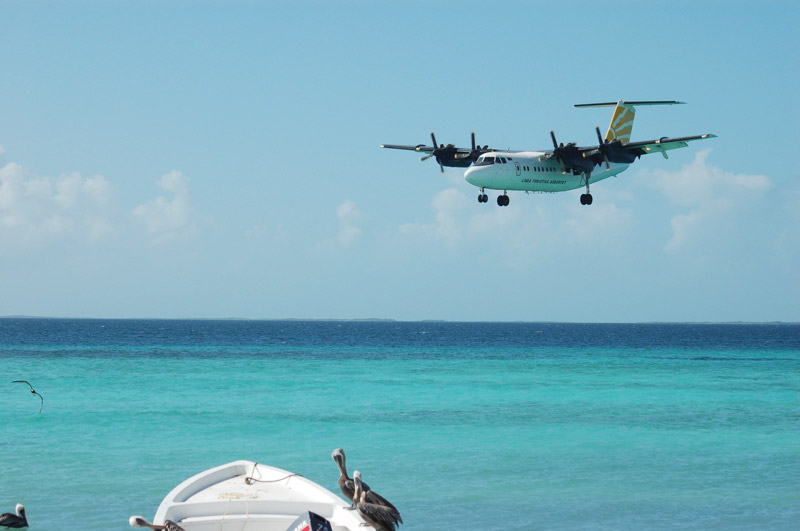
(484,161)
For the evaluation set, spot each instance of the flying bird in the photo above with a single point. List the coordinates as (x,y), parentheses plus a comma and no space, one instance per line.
(169,525)
(14,520)
(33,391)
(381,517)
(347,486)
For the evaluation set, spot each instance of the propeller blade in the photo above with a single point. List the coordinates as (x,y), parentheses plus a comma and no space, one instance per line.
(435,145)
(553,136)
(426,157)
(473,141)
(441,167)
(602,143)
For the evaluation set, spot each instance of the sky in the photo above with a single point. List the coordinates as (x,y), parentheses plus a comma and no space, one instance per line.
(208,159)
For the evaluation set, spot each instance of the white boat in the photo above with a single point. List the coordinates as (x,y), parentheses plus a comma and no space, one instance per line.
(249,496)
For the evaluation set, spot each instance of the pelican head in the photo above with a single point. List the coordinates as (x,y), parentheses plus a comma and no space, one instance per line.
(357,485)
(139,521)
(338,456)
(20,510)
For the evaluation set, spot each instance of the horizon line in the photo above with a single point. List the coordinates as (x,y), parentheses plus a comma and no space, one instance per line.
(389,320)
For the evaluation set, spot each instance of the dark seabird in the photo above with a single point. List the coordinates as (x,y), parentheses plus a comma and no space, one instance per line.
(14,520)
(347,486)
(33,391)
(345,483)
(381,517)
(169,525)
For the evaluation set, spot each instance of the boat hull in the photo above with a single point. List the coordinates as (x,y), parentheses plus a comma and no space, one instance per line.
(247,495)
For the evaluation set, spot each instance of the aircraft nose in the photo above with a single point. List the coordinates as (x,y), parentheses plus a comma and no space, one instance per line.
(469,175)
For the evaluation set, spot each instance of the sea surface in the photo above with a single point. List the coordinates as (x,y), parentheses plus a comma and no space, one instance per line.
(463,426)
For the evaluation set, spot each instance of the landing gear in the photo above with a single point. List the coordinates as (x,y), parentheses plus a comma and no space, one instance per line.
(483,198)
(503,200)
(586,199)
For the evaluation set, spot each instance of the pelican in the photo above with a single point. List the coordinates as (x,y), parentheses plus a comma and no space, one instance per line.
(14,520)
(348,488)
(33,391)
(169,525)
(381,517)
(345,483)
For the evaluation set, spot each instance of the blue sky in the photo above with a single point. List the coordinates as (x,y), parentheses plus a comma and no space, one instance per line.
(218,159)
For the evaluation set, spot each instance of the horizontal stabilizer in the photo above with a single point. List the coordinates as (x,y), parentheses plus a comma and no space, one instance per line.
(614,103)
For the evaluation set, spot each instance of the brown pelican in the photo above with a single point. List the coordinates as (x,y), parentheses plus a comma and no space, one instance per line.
(169,525)
(33,391)
(345,483)
(381,517)
(347,486)
(14,520)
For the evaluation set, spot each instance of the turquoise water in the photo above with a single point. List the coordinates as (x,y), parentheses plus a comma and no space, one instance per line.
(462,426)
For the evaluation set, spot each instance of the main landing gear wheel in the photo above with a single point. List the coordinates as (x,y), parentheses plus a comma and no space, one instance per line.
(483,198)
(503,200)
(586,199)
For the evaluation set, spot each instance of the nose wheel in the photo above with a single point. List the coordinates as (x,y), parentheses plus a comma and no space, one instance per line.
(483,198)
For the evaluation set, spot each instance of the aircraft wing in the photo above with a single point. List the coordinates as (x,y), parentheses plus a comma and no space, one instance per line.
(584,159)
(421,148)
(661,145)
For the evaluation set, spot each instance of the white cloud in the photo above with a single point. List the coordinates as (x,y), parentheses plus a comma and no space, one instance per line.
(167,218)
(599,222)
(535,221)
(699,184)
(714,200)
(349,220)
(34,210)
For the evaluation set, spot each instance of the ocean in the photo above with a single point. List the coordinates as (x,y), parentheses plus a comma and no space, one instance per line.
(463,426)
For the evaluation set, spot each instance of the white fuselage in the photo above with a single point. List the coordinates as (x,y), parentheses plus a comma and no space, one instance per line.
(529,171)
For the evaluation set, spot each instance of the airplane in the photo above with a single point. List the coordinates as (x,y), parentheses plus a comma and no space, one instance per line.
(565,167)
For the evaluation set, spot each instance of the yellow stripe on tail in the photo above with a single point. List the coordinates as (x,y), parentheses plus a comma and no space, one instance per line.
(621,125)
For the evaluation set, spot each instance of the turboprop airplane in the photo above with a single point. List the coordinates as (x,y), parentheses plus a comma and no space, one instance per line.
(565,167)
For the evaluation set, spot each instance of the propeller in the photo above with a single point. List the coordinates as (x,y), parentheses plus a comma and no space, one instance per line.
(449,152)
(603,146)
(611,150)
(477,151)
(441,152)
(569,157)
(562,153)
